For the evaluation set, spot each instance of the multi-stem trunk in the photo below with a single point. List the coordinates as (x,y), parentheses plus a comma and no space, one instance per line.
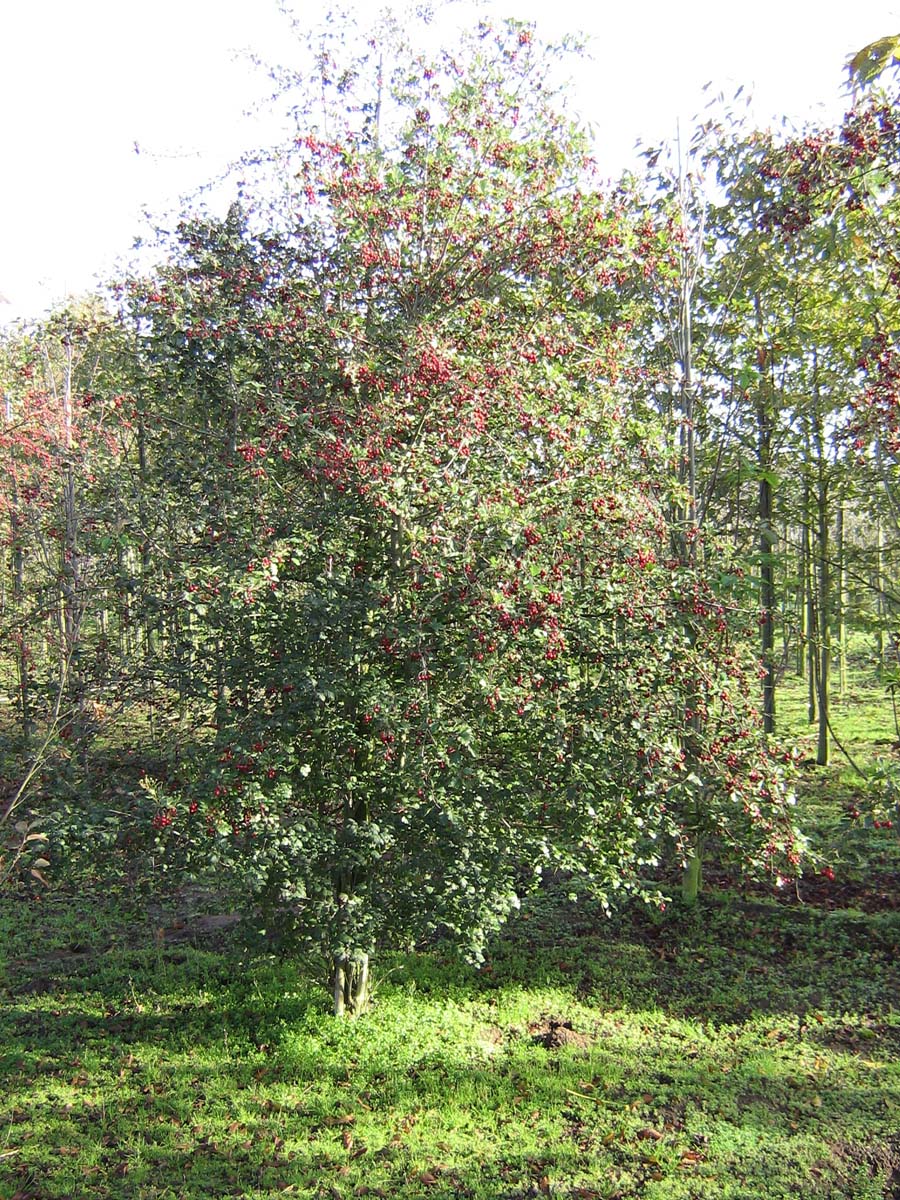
(351,985)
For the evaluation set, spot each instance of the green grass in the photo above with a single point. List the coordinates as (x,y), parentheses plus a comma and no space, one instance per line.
(750,1050)
(863,723)
(862,718)
(745,1050)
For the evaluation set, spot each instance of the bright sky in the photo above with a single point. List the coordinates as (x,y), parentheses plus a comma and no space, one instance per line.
(111,107)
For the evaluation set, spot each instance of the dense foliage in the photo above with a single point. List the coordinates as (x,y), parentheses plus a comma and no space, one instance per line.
(416,491)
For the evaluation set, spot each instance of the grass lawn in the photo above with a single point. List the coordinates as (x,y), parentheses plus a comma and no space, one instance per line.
(749,1048)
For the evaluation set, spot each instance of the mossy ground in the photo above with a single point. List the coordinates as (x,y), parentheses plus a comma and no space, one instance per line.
(749,1048)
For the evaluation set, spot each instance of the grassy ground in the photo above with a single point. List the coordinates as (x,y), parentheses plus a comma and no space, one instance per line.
(749,1049)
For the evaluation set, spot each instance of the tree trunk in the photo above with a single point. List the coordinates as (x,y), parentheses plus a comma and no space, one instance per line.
(149,629)
(823,596)
(809,583)
(221,691)
(802,597)
(880,605)
(766,583)
(72,586)
(351,986)
(18,598)
(692,878)
(764,406)
(841,598)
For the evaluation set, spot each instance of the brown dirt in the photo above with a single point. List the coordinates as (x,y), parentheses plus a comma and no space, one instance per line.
(881,1160)
(881,893)
(554,1032)
(187,930)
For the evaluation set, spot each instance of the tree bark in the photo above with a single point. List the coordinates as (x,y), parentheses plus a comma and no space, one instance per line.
(766,579)
(880,605)
(766,541)
(841,599)
(802,594)
(809,585)
(692,878)
(351,986)
(71,566)
(823,595)
(18,598)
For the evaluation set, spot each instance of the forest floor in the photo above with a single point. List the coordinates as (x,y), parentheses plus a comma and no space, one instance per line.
(748,1048)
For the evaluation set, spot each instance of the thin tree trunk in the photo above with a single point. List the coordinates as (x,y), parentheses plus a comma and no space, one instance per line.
(802,594)
(823,590)
(18,598)
(221,693)
(71,567)
(766,574)
(150,633)
(766,542)
(686,531)
(787,600)
(841,598)
(809,584)
(880,605)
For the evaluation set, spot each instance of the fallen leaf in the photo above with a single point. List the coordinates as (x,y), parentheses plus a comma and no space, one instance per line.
(649,1135)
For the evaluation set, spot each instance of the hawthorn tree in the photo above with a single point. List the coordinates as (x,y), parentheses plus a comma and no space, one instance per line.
(437,560)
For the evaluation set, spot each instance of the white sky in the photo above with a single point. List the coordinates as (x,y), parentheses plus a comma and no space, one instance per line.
(82,82)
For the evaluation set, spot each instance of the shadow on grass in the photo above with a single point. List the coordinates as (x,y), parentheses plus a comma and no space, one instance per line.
(647,1102)
(748,1050)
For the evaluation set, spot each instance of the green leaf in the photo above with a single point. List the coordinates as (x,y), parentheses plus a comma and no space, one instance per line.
(875,58)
